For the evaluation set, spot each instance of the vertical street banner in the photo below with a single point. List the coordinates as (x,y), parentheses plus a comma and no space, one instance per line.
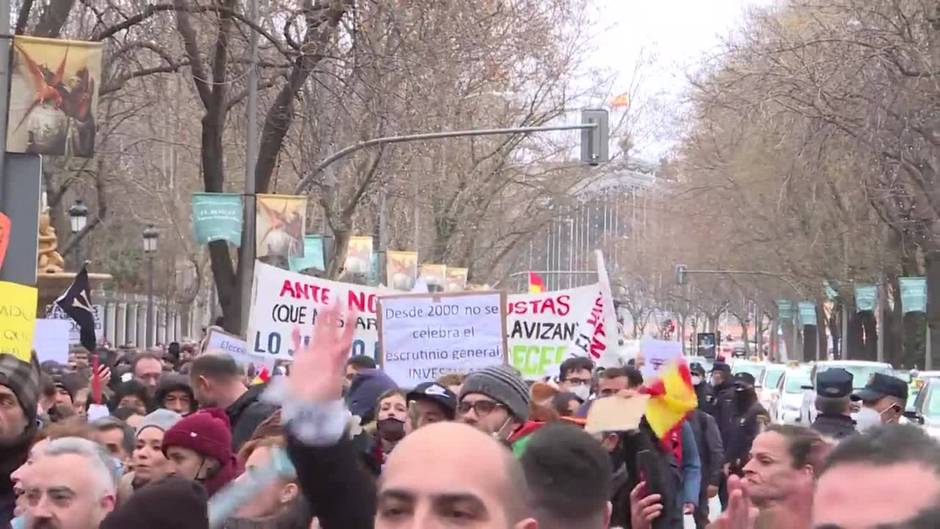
(425,336)
(547,328)
(17,319)
(866,297)
(434,275)
(279,228)
(456,279)
(401,270)
(53,96)
(283,300)
(913,294)
(784,310)
(359,256)
(313,255)
(217,217)
(807,310)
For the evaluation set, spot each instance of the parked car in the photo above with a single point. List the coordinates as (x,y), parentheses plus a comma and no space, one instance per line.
(767,383)
(786,402)
(927,407)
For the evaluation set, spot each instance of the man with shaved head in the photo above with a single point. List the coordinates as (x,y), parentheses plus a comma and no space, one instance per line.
(429,481)
(442,475)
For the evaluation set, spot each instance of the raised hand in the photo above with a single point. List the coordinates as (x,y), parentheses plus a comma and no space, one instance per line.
(644,508)
(317,373)
(739,514)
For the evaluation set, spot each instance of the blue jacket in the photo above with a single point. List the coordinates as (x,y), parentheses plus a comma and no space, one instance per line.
(691,467)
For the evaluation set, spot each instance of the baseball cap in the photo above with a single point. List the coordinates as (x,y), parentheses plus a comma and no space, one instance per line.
(436,393)
(881,385)
(835,383)
(744,379)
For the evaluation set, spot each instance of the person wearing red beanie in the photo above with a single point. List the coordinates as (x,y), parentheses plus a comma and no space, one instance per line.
(199,448)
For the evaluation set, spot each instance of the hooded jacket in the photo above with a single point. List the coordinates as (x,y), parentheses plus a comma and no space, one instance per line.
(173,382)
(246,413)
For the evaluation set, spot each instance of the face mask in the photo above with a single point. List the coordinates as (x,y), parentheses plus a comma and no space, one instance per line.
(696,380)
(867,418)
(391,429)
(582,391)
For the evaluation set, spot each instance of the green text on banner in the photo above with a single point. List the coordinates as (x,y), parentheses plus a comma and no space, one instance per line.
(866,297)
(283,300)
(784,309)
(807,313)
(217,217)
(425,336)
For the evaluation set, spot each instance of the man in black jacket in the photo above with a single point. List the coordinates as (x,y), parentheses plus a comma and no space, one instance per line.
(712,453)
(833,392)
(217,383)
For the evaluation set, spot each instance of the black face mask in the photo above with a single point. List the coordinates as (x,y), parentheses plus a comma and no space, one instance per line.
(391,429)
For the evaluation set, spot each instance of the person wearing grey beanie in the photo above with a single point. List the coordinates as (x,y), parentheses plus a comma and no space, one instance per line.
(494,400)
(150,464)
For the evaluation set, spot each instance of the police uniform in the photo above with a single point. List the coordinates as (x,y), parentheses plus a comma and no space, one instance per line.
(835,383)
(747,423)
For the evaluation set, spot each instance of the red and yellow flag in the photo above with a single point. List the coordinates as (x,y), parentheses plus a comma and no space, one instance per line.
(263,376)
(536,284)
(672,397)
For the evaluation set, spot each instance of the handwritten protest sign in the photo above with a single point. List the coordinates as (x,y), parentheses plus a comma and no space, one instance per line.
(657,354)
(17,319)
(284,300)
(221,342)
(425,336)
(51,340)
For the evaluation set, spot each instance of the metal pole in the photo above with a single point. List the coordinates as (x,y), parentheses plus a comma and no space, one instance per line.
(246,260)
(844,339)
(148,329)
(928,357)
(5,67)
(881,321)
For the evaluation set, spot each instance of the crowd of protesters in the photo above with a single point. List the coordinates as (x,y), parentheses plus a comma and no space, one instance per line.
(161,438)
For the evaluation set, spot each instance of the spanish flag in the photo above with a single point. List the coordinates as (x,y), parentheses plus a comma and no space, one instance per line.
(672,397)
(536,284)
(263,376)
(620,101)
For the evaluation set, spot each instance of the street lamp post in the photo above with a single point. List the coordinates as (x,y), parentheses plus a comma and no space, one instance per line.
(150,248)
(78,219)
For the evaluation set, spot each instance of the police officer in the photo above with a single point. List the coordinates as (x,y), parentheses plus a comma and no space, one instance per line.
(703,390)
(748,420)
(833,402)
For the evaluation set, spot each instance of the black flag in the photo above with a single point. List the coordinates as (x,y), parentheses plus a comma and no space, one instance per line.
(76,302)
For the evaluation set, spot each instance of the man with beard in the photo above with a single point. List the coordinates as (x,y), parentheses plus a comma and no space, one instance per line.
(71,485)
(19,395)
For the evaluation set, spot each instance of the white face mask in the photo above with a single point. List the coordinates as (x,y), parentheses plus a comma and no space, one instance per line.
(866,418)
(583,391)
(696,380)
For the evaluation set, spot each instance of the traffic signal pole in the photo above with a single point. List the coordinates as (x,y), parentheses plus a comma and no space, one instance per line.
(594,154)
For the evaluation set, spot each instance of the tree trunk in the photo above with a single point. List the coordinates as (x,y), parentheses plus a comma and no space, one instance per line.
(810,343)
(932,260)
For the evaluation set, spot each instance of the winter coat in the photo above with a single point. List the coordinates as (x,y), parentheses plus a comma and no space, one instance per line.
(246,413)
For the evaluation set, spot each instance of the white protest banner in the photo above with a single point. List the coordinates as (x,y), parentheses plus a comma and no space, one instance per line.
(541,328)
(656,354)
(51,340)
(425,336)
(284,300)
(74,333)
(219,341)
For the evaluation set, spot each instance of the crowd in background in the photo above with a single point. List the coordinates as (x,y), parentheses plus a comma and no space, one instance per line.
(157,438)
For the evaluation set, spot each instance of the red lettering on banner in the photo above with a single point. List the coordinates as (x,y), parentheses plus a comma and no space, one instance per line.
(361,302)
(298,290)
(557,305)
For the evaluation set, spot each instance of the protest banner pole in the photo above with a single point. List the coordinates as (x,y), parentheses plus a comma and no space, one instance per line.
(6,66)
(247,250)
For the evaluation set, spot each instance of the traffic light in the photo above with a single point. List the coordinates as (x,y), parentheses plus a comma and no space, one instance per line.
(681,274)
(594,141)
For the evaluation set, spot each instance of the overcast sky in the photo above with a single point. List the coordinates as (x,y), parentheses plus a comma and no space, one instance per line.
(673,34)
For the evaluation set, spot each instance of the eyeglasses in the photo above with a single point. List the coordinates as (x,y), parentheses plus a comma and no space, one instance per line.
(574,381)
(481,407)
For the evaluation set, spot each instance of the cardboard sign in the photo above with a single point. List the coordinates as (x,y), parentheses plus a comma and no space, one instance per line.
(51,340)
(220,342)
(425,336)
(283,300)
(4,236)
(17,319)
(616,414)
